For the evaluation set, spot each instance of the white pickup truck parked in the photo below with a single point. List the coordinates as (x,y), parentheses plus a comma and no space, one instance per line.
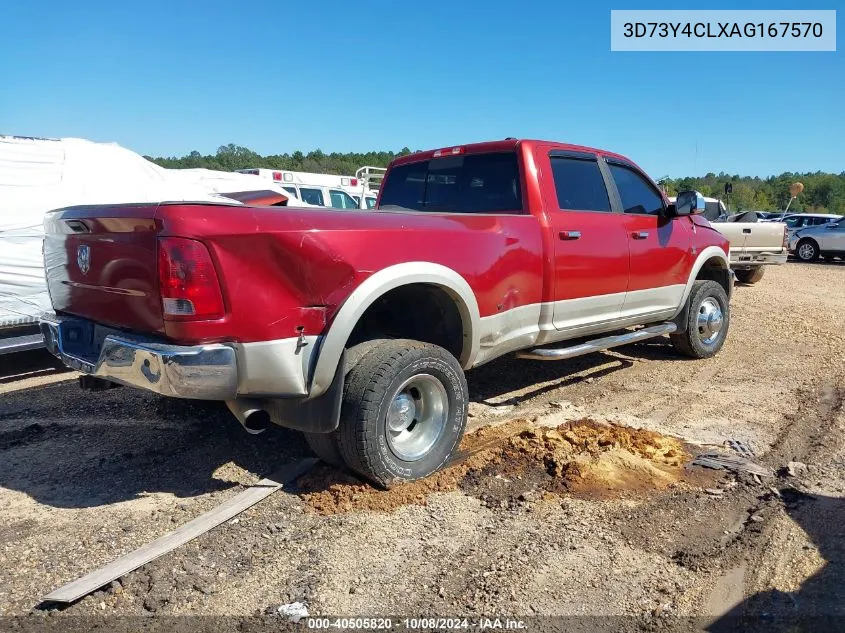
(754,244)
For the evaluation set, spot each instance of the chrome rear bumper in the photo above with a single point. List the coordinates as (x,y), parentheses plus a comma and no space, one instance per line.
(205,372)
(757,258)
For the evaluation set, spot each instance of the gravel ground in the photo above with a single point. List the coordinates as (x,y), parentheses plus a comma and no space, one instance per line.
(86,477)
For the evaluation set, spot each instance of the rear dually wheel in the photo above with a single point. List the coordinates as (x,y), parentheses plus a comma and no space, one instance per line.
(404,411)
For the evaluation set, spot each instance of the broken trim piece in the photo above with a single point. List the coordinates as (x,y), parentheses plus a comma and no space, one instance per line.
(75,590)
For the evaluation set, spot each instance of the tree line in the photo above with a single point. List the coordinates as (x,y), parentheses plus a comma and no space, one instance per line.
(823,192)
(232,157)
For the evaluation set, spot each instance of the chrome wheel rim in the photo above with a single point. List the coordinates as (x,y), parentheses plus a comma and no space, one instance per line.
(416,417)
(806,251)
(709,321)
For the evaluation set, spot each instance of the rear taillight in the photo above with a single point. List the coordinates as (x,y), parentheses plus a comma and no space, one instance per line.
(187,280)
(785,237)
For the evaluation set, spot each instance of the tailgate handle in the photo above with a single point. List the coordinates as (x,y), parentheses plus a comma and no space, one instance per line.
(746,230)
(639,235)
(570,235)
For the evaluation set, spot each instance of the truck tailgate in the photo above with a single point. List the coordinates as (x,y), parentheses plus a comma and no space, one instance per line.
(101,264)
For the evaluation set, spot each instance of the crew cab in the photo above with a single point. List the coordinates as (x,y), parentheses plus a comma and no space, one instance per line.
(357,328)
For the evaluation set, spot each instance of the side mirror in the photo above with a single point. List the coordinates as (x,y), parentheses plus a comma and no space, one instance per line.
(689,203)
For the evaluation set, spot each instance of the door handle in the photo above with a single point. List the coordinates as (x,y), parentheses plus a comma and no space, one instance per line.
(639,235)
(746,230)
(570,235)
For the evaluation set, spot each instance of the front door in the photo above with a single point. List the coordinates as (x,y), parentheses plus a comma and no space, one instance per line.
(659,246)
(590,243)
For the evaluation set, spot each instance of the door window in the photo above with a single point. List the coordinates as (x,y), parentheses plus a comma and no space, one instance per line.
(312,196)
(342,200)
(638,195)
(579,184)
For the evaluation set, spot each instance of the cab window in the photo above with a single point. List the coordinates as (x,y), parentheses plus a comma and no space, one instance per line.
(638,195)
(475,183)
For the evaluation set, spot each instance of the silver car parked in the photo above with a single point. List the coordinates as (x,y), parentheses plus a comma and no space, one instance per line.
(798,221)
(825,240)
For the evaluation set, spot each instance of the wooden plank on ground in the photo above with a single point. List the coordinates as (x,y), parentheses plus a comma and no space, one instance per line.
(133,560)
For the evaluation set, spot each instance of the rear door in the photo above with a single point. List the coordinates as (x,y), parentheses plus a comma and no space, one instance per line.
(590,245)
(659,246)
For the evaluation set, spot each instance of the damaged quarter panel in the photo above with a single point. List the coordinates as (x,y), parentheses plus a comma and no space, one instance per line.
(294,270)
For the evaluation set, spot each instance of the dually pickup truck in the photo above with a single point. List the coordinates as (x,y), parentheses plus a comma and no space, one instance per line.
(356,328)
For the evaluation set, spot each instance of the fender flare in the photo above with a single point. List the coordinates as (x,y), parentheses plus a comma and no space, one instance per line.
(385,280)
(711,252)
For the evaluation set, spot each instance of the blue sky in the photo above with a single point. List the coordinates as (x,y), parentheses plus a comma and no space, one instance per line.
(165,78)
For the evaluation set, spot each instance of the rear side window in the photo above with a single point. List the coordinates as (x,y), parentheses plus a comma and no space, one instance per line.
(638,196)
(579,184)
(474,183)
(312,196)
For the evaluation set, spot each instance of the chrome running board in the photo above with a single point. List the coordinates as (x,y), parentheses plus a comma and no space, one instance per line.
(599,344)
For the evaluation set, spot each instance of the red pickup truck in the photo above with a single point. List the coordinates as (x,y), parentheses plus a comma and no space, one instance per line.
(356,327)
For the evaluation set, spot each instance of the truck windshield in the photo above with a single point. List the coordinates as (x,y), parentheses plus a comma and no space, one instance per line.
(473,183)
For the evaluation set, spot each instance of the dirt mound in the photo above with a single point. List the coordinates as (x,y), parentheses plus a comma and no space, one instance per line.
(498,464)
(598,458)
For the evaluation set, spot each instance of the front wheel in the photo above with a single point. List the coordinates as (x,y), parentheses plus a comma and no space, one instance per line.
(707,324)
(404,411)
(750,276)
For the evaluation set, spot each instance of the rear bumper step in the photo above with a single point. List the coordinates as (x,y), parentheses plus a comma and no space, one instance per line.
(599,344)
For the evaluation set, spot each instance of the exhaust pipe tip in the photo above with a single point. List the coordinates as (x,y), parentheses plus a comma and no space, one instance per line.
(257,422)
(252,417)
